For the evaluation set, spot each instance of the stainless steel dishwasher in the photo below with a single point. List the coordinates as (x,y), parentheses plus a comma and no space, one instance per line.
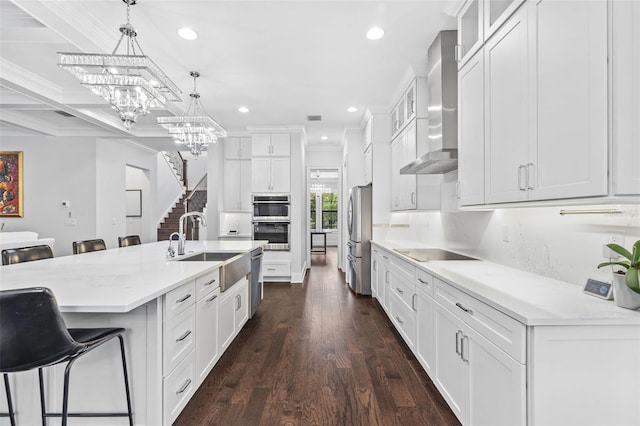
(255,281)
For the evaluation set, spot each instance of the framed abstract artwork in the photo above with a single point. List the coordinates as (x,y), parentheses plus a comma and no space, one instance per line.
(11,194)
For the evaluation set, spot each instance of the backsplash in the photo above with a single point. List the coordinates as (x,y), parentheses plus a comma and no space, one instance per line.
(541,240)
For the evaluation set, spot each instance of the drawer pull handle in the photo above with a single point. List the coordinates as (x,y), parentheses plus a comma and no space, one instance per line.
(184,336)
(385,257)
(464,354)
(271,269)
(399,320)
(211,282)
(401,291)
(467,310)
(183,387)
(213,298)
(423,281)
(184,298)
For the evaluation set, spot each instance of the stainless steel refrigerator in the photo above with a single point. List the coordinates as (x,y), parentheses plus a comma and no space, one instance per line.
(359,244)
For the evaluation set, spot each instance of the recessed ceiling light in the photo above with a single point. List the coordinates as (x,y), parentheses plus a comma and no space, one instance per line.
(187,33)
(352,109)
(243,109)
(324,138)
(375,33)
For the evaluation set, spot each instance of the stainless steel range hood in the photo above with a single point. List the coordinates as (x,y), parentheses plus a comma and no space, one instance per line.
(442,91)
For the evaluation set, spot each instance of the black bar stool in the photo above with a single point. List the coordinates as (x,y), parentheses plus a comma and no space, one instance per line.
(26,254)
(34,335)
(88,245)
(129,240)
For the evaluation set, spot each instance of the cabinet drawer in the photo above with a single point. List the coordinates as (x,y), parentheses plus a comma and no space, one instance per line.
(403,288)
(424,281)
(500,329)
(404,319)
(206,283)
(178,389)
(179,338)
(276,269)
(179,299)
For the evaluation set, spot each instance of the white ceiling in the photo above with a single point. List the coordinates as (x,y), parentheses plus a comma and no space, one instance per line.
(283,60)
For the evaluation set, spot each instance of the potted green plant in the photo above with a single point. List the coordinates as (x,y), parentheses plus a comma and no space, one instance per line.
(626,279)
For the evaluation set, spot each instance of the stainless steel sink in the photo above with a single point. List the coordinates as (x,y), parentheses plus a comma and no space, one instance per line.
(235,267)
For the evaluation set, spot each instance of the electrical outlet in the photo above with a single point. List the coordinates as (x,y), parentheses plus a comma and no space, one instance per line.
(612,237)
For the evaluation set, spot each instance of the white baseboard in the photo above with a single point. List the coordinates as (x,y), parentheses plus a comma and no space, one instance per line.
(298,277)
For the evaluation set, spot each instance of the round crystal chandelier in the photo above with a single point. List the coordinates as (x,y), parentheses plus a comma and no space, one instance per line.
(131,82)
(194,128)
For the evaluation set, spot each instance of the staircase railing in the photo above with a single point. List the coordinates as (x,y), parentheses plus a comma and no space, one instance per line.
(178,163)
(196,201)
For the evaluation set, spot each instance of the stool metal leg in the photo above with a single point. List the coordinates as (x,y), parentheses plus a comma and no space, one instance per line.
(65,392)
(126,380)
(7,388)
(43,408)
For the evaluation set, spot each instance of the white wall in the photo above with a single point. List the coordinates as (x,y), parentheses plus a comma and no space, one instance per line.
(542,241)
(56,169)
(112,158)
(299,211)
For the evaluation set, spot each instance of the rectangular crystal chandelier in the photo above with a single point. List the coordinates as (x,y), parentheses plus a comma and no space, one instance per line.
(132,83)
(194,128)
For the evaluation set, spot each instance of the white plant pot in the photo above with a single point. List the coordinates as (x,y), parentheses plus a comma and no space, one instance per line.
(623,295)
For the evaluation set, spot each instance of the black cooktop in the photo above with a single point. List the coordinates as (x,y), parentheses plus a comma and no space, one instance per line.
(426,255)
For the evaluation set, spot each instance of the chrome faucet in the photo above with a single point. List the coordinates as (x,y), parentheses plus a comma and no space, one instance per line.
(170,250)
(182,241)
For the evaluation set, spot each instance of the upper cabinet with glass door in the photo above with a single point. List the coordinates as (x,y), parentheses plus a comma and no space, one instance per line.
(411,104)
(478,20)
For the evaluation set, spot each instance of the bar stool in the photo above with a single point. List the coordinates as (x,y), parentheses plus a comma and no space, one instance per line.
(130,240)
(26,254)
(88,245)
(34,335)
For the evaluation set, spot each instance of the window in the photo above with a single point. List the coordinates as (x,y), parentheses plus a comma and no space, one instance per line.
(329,211)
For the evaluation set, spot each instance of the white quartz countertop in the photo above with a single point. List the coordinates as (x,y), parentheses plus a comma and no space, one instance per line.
(531,299)
(116,280)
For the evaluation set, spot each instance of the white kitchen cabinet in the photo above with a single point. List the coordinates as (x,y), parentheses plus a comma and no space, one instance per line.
(237,185)
(470,30)
(207,347)
(496,12)
(177,389)
(506,108)
(567,155)
(425,331)
(625,99)
(481,383)
(403,187)
(452,373)
(471,171)
(375,261)
(406,107)
(384,281)
(368,164)
(270,174)
(276,144)
(233,313)
(237,148)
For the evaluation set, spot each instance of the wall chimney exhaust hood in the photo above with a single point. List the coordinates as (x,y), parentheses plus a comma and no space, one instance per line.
(442,91)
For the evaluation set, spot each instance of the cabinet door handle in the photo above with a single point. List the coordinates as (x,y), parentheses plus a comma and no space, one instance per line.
(413,198)
(530,176)
(183,299)
(464,354)
(184,336)
(211,282)
(183,387)
(386,277)
(413,302)
(458,333)
(401,291)
(520,186)
(399,320)
(375,265)
(456,52)
(467,310)
(213,298)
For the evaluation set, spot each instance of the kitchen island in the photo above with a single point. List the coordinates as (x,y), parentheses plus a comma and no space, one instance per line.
(158,301)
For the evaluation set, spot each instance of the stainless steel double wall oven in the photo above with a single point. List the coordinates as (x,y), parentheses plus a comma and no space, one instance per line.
(271,220)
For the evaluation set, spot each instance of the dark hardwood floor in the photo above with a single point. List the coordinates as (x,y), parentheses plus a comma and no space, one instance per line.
(316,354)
